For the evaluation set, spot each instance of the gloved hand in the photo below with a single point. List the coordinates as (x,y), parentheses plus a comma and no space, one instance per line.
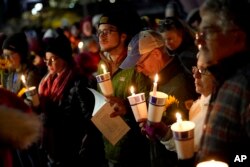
(156,130)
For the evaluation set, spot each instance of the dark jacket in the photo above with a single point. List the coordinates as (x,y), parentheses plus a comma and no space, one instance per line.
(70,137)
(173,82)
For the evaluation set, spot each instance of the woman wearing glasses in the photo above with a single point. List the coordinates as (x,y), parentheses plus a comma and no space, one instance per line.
(70,138)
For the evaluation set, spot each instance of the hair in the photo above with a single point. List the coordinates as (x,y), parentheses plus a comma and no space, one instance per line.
(174,23)
(231,12)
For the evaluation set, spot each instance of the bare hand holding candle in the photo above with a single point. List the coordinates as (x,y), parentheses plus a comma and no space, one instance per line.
(104,82)
(31,92)
(183,134)
(138,105)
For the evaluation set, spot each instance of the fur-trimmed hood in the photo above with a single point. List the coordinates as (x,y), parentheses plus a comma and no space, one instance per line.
(18,129)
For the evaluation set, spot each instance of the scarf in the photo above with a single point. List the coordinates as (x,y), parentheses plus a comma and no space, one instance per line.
(52,86)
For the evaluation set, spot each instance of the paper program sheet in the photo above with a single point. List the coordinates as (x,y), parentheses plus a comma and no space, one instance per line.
(112,128)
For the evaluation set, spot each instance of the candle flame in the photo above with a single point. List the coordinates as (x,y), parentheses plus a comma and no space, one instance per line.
(24,80)
(178,116)
(104,68)
(80,45)
(132,90)
(156,78)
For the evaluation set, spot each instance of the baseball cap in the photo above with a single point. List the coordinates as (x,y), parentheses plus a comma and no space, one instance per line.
(133,54)
(150,40)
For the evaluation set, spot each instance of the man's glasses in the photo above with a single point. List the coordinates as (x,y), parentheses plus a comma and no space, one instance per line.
(195,70)
(105,32)
(210,32)
(51,60)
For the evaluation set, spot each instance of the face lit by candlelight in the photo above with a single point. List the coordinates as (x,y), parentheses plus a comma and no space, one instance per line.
(54,63)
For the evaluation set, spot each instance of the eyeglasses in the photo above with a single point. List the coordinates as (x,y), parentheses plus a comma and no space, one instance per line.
(51,60)
(9,55)
(105,32)
(209,32)
(195,69)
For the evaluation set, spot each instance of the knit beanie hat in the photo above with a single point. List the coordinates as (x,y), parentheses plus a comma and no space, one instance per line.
(125,19)
(17,43)
(115,18)
(61,47)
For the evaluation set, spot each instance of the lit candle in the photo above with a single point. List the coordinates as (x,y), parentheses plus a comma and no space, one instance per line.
(104,69)
(132,90)
(24,81)
(155,85)
(212,163)
(179,120)
(80,45)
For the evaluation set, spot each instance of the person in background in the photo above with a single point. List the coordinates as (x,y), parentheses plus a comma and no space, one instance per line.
(223,39)
(180,41)
(3,62)
(174,8)
(16,51)
(193,19)
(20,128)
(70,138)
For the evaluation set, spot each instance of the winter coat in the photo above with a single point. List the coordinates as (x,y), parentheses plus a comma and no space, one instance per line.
(70,138)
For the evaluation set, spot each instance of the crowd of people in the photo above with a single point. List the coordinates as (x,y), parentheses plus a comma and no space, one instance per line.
(206,68)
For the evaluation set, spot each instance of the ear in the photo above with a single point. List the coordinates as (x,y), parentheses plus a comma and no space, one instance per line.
(157,54)
(123,37)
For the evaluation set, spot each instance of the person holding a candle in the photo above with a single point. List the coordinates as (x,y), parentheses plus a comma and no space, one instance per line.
(152,59)
(115,30)
(204,83)
(70,138)
(223,39)
(16,51)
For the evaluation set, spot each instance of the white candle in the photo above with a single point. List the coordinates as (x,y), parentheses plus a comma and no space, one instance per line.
(24,81)
(155,85)
(104,69)
(132,90)
(212,163)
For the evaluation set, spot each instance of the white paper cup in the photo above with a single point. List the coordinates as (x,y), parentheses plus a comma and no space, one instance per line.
(183,135)
(139,107)
(156,106)
(32,95)
(212,163)
(105,84)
